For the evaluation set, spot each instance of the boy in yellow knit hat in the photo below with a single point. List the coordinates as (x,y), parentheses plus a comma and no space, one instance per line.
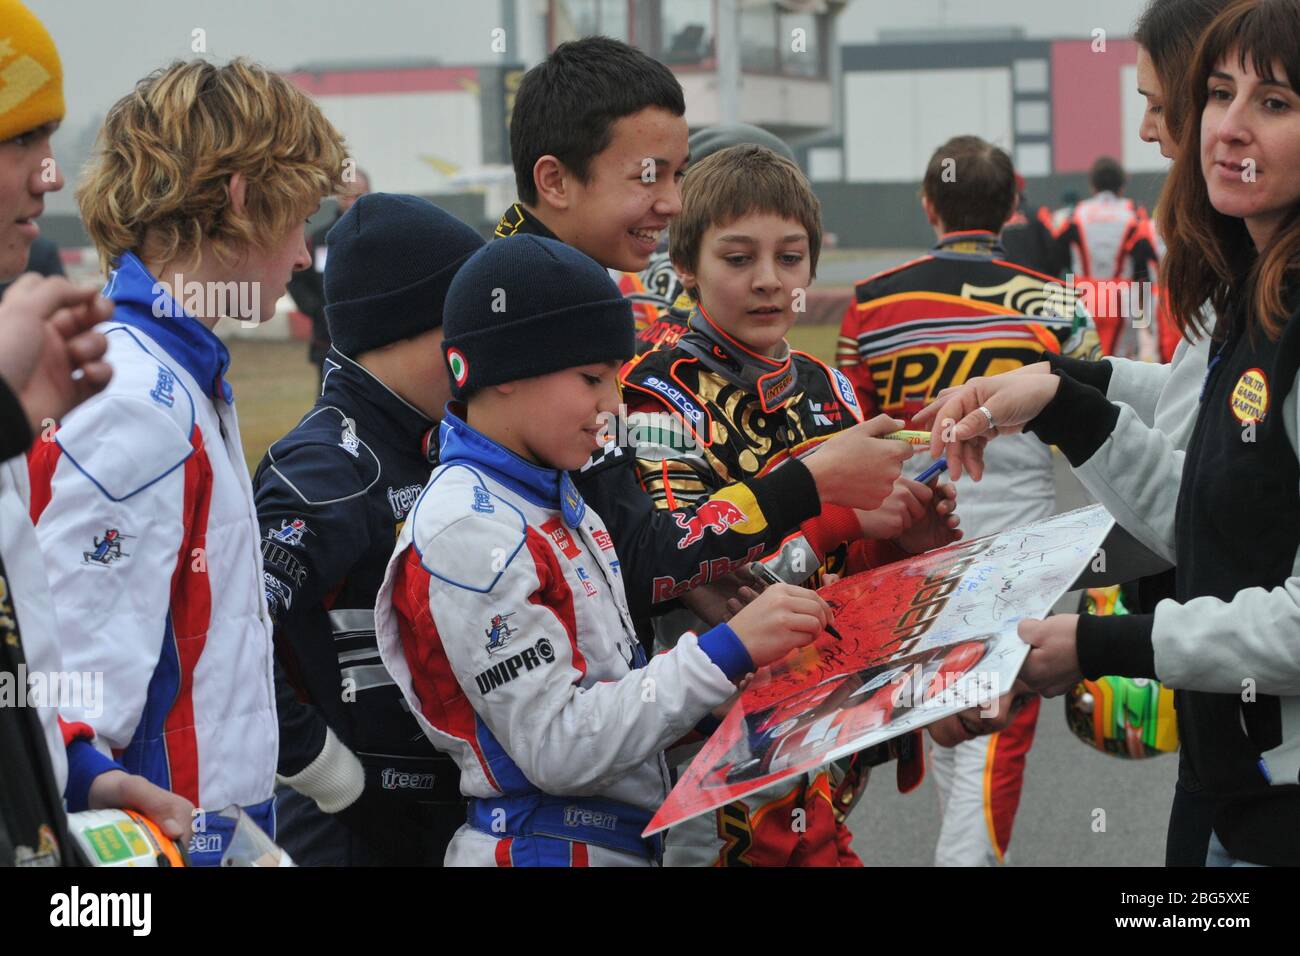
(31,106)
(44,335)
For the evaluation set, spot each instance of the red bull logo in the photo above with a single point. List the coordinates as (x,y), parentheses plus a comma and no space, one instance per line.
(716,515)
(667,588)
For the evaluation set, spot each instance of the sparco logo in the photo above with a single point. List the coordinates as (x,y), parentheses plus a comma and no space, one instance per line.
(540,653)
(582,817)
(400,780)
(402,499)
(674,395)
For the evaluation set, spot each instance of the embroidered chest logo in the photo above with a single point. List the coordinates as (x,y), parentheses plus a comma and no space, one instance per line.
(586,581)
(402,499)
(348,441)
(773,391)
(482,501)
(561,537)
(845,389)
(108,549)
(499,632)
(290,532)
(162,390)
(278,594)
(511,667)
(1249,398)
(825,413)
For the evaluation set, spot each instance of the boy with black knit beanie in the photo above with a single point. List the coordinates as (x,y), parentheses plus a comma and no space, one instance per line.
(363,785)
(503,617)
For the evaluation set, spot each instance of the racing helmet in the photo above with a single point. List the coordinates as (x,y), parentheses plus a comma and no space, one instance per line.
(1129,717)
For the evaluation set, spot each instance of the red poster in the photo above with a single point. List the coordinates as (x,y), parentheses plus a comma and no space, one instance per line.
(921,639)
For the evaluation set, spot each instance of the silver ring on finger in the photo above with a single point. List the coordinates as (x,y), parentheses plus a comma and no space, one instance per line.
(988,416)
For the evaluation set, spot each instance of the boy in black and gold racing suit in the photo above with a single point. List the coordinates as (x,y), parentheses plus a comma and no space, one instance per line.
(732,401)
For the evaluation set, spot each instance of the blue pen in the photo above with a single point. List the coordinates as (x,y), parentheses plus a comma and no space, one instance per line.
(938,468)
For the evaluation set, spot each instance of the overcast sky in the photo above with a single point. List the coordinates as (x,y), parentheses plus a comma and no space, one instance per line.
(106,47)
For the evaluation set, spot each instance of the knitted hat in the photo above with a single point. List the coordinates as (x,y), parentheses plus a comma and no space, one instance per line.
(714,139)
(526,306)
(391,259)
(32,93)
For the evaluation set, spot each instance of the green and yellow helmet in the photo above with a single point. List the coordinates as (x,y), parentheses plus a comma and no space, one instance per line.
(1129,717)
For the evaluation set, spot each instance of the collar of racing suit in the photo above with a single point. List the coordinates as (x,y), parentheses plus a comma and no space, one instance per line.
(773,380)
(460,443)
(978,242)
(519,221)
(351,386)
(140,303)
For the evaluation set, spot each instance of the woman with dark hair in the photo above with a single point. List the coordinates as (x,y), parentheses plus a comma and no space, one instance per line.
(1157,402)
(1167,33)
(1229,641)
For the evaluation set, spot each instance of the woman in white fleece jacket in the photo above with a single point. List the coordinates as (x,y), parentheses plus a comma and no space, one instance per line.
(1229,643)
(1158,402)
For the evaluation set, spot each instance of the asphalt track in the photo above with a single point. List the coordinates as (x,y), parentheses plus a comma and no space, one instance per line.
(1066,782)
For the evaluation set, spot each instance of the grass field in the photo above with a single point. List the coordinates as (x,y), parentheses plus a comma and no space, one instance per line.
(274,384)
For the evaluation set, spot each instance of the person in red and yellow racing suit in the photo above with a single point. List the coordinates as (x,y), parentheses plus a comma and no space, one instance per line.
(959,312)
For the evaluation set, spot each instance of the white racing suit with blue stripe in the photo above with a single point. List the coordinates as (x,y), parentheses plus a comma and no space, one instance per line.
(504,621)
(145,519)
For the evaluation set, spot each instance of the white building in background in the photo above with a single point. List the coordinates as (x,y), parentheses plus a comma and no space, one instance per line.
(438,127)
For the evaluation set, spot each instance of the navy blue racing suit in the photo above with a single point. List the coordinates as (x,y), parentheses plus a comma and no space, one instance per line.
(331,497)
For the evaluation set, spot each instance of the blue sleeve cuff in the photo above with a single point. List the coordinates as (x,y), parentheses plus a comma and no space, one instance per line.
(85,763)
(725,649)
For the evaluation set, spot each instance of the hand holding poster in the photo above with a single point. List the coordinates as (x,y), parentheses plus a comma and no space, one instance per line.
(920,639)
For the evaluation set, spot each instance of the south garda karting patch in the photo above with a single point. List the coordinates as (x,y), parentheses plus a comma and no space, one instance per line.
(107,550)
(844,389)
(499,632)
(458,366)
(674,396)
(1249,398)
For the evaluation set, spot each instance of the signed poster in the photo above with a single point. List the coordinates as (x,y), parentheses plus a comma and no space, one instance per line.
(920,639)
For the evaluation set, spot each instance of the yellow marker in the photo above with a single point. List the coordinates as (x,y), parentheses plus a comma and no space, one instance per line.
(911,437)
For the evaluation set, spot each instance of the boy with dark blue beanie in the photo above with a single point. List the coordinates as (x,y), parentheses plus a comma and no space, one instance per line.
(503,618)
(363,787)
